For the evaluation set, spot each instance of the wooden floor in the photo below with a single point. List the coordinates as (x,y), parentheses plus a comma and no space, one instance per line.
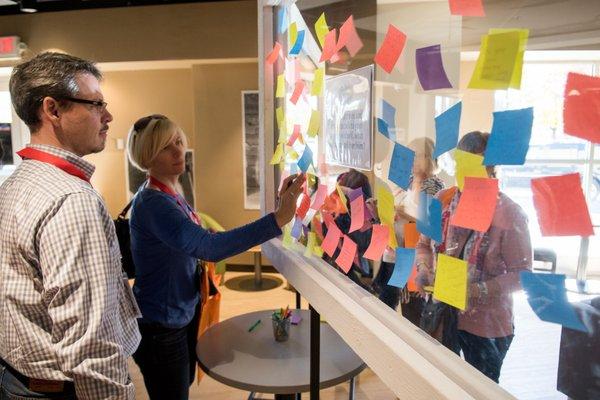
(529,371)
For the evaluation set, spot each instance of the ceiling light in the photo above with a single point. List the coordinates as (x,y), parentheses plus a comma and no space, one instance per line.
(28,6)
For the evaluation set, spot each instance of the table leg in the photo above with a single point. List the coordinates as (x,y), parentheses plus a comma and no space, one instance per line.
(257,269)
(351,391)
(251,396)
(298,396)
(315,353)
(298,301)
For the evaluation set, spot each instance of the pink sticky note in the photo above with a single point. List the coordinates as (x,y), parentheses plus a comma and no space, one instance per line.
(294,136)
(347,254)
(390,49)
(327,219)
(561,206)
(477,204)
(319,197)
(349,38)
(292,71)
(272,57)
(467,8)
(332,239)
(357,211)
(379,239)
(329,47)
(297,91)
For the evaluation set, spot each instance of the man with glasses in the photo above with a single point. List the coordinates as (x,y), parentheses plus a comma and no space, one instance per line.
(68,318)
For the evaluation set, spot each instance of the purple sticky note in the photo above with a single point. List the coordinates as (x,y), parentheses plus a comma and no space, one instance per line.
(297,229)
(431,69)
(295,318)
(355,193)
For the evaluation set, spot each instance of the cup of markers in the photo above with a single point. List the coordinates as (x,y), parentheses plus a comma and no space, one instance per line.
(281,324)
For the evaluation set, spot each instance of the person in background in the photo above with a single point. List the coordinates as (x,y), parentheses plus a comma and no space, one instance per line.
(166,243)
(423,179)
(68,321)
(495,258)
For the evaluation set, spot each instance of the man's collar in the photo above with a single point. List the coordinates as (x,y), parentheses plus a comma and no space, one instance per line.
(87,167)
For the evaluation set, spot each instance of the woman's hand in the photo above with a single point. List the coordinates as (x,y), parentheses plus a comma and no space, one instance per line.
(291,188)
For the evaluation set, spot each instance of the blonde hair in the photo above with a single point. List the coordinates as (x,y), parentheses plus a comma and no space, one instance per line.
(425,146)
(148,136)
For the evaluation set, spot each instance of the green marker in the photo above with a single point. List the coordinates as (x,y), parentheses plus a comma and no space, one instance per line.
(254,326)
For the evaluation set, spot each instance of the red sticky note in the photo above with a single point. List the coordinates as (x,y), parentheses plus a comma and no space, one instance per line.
(329,47)
(272,57)
(319,197)
(390,49)
(379,239)
(297,91)
(581,114)
(294,136)
(332,239)
(349,38)
(357,212)
(467,8)
(561,206)
(304,206)
(477,204)
(347,254)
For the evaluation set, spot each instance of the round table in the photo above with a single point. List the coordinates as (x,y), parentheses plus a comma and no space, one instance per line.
(255,362)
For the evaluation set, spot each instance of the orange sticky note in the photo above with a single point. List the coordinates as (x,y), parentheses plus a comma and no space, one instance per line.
(390,49)
(477,204)
(357,213)
(297,91)
(332,239)
(347,254)
(329,48)
(581,113)
(272,57)
(294,136)
(561,206)
(467,8)
(304,206)
(319,197)
(379,239)
(349,37)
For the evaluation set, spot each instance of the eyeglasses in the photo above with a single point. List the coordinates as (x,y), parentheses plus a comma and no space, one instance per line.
(98,103)
(142,123)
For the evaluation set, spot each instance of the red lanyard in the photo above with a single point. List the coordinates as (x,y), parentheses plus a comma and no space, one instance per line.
(58,162)
(185,207)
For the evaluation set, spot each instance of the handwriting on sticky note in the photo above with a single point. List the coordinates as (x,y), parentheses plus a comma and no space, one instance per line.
(379,240)
(332,239)
(477,204)
(403,267)
(347,254)
(329,46)
(357,214)
(451,281)
(468,165)
(401,165)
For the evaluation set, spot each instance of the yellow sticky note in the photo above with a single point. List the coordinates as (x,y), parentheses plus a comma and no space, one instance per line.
(293,34)
(315,123)
(321,29)
(451,281)
(342,196)
(280,92)
(288,241)
(317,86)
(392,241)
(277,155)
(515,82)
(468,164)
(318,251)
(311,179)
(385,206)
(498,61)
(280,116)
(293,154)
(310,244)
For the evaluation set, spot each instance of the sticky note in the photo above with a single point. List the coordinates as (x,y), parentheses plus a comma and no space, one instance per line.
(547,297)
(298,88)
(272,57)
(311,242)
(327,219)
(280,92)
(349,37)
(467,8)
(292,71)
(379,240)
(297,229)
(306,160)
(295,135)
(468,164)
(292,33)
(304,206)
(347,254)
(509,140)
(314,125)
(357,214)
(430,68)
(329,46)
(515,81)
(279,116)
(321,29)
(288,241)
(382,127)
(401,166)
(342,197)
(450,284)
(581,113)
(319,197)
(390,49)
(477,204)
(561,207)
(298,44)
(277,155)
(446,129)
(388,114)
(355,193)
(429,221)
(317,85)
(385,205)
(282,20)
(332,239)
(295,318)
(405,259)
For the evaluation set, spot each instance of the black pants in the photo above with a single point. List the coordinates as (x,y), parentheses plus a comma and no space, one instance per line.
(485,354)
(167,359)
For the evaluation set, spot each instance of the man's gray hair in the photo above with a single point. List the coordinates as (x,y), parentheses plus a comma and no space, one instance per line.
(46,75)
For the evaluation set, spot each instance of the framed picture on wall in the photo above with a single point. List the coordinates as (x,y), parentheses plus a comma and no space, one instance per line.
(250,149)
(135,179)
(6,146)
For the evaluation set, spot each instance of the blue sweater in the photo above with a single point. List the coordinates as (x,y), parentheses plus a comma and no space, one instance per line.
(166,243)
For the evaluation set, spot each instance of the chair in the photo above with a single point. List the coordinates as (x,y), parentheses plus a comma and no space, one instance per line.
(545,256)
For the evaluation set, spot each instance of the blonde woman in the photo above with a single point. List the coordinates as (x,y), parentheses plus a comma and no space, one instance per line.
(166,243)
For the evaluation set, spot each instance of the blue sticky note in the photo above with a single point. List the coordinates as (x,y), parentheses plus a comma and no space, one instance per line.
(401,166)
(446,130)
(282,24)
(405,258)
(298,45)
(429,222)
(388,114)
(297,229)
(382,127)
(306,159)
(509,140)
(547,297)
